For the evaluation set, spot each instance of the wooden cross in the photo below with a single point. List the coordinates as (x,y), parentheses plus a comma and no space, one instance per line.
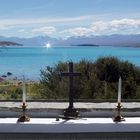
(70,74)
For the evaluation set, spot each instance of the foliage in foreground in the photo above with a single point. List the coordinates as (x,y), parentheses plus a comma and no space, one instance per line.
(98,80)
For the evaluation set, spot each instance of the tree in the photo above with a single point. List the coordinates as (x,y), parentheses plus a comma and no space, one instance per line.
(99,79)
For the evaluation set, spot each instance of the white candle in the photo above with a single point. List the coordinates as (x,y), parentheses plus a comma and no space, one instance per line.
(23,90)
(119,90)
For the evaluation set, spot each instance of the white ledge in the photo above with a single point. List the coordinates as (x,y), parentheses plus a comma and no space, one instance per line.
(83,125)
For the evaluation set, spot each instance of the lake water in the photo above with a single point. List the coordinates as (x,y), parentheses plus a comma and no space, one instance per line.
(29,60)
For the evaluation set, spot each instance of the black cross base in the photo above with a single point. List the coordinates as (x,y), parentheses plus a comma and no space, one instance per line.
(71,112)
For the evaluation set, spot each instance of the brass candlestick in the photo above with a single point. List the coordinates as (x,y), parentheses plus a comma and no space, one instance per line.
(24,117)
(118,117)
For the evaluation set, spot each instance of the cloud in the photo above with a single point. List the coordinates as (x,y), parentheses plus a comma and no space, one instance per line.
(80,31)
(5,27)
(106,27)
(39,21)
(115,25)
(21,30)
(45,30)
(78,26)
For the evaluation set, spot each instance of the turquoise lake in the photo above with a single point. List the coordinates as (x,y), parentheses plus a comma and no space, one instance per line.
(29,60)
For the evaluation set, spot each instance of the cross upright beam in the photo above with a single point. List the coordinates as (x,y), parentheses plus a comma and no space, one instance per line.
(70,111)
(70,74)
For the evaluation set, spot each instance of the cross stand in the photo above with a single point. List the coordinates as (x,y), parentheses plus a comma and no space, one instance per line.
(70,112)
(23,117)
(118,117)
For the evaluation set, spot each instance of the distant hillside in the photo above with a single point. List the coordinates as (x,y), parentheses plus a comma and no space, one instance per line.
(106,40)
(9,43)
(102,40)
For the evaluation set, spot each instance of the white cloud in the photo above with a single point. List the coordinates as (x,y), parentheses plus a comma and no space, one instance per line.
(106,27)
(21,30)
(138,32)
(20,22)
(115,25)
(5,27)
(79,31)
(82,25)
(45,30)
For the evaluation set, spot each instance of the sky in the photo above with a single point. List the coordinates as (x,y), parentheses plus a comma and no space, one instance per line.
(66,18)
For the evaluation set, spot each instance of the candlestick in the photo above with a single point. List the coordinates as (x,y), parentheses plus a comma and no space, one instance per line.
(23,90)
(23,117)
(118,117)
(119,89)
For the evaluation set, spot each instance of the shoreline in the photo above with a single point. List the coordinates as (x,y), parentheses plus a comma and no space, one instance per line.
(16,81)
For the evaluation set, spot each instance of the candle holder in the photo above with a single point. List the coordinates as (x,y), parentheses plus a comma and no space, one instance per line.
(24,117)
(118,117)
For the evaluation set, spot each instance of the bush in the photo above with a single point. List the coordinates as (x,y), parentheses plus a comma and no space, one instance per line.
(99,79)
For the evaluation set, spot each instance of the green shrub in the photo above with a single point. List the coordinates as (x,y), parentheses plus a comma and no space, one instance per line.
(99,79)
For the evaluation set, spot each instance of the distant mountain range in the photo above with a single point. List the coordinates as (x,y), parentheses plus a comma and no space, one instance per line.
(113,40)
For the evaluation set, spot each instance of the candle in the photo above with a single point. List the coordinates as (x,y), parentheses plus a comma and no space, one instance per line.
(23,90)
(119,90)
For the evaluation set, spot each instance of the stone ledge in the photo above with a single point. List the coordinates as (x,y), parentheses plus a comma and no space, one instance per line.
(53,109)
(63,105)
